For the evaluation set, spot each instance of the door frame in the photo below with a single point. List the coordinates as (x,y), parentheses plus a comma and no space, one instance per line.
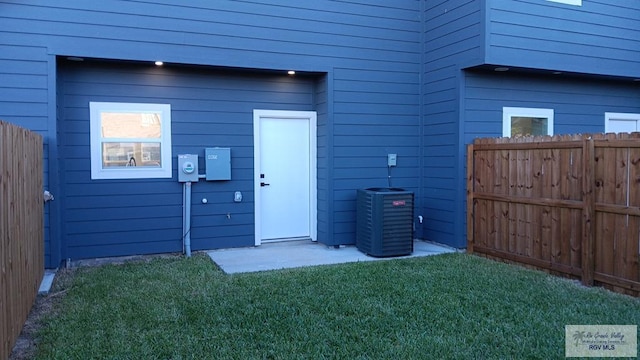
(310,116)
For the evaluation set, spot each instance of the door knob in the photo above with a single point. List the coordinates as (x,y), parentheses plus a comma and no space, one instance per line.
(264,184)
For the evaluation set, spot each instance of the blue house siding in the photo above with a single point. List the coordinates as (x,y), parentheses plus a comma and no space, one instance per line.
(323,106)
(599,37)
(526,35)
(408,77)
(24,101)
(375,44)
(579,104)
(373,116)
(209,109)
(276,34)
(453,38)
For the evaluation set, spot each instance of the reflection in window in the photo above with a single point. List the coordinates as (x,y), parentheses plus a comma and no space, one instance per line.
(526,121)
(131,125)
(526,126)
(131,154)
(130,140)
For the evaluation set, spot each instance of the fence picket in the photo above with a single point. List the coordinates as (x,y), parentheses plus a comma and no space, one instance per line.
(588,222)
(564,240)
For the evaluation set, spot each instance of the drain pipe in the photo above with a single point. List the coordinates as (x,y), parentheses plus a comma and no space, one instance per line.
(186,218)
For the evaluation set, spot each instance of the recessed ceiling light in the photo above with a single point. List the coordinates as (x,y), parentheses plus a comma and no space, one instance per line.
(501,69)
(159,63)
(557,72)
(291,72)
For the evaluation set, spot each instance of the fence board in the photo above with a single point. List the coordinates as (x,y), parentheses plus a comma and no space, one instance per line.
(588,222)
(21,229)
(4,248)
(567,203)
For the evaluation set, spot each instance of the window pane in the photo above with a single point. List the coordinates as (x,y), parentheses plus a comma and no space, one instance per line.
(528,126)
(119,154)
(130,125)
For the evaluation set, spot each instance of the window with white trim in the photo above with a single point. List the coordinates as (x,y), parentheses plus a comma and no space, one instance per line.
(130,140)
(621,122)
(526,121)
(568,2)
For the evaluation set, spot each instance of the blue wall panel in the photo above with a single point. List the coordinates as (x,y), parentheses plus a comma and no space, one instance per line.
(323,97)
(273,34)
(579,104)
(209,108)
(599,37)
(453,38)
(374,114)
(24,102)
(369,51)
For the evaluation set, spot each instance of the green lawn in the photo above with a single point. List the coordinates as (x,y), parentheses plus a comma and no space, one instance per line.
(453,306)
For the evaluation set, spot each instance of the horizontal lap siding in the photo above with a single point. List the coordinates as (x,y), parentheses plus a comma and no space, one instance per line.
(579,105)
(324,154)
(371,49)
(452,37)
(209,109)
(601,36)
(374,115)
(24,102)
(283,34)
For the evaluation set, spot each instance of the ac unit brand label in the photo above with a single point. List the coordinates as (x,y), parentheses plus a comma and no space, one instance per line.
(399,203)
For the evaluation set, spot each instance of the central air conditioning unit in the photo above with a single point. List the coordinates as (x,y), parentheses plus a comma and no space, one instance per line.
(384,223)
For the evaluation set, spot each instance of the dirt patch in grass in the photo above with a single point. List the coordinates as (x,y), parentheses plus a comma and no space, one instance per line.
(44,305)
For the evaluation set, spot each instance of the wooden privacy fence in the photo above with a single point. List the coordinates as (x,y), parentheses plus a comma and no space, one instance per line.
(21,229)
(568,204)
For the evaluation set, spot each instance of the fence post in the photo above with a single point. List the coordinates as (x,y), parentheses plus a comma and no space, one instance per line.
(470,180)
(588,211)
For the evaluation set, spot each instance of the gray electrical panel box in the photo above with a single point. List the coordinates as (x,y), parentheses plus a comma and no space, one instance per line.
(188,168)
(392,159)
(218,163)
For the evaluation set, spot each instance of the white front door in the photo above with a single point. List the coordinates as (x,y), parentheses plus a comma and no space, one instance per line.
(285,175)
(621,122)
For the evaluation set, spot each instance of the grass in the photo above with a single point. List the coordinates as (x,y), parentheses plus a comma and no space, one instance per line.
(448,307)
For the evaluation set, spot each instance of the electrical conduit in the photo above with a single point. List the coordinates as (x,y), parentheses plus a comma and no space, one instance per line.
(186,218)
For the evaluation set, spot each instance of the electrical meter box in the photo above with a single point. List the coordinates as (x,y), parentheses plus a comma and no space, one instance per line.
(218,163)
(188,168)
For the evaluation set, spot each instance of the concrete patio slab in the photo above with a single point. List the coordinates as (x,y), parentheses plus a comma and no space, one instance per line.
(292,254)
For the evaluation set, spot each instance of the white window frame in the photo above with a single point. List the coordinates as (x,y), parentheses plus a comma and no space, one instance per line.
(509,112)
(98,172)
(568,2)
(608,116)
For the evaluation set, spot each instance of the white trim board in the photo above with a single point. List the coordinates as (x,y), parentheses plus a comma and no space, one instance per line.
(313,191)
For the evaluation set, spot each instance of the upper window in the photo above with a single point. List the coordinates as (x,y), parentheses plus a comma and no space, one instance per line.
(526,121)
(130,141)
(569,2)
